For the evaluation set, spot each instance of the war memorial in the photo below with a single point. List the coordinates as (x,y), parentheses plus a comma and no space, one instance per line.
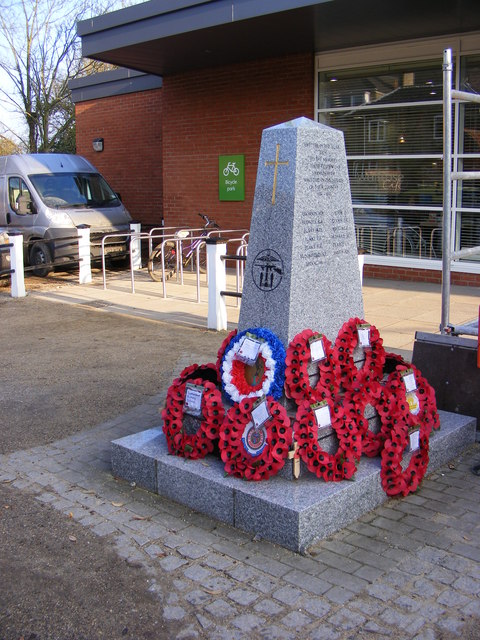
(302,422)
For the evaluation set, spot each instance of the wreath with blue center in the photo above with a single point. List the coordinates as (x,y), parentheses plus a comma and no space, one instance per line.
(264,377)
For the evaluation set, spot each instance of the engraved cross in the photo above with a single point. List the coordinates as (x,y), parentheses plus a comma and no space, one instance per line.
(275,163)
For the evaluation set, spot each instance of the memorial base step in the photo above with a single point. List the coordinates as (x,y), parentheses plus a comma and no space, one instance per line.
(294,514)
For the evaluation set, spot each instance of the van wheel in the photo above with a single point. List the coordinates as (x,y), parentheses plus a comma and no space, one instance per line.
(41,259)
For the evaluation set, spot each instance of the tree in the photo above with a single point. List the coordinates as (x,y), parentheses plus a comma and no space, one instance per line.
(40,56)
(7,146)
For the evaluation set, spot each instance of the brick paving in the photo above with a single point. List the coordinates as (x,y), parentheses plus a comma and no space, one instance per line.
(408,570)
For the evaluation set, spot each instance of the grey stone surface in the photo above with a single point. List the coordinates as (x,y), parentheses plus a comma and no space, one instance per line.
(133,458)
(292,514)
(302,267)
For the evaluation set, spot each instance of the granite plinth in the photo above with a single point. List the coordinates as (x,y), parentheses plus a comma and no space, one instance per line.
(292,514)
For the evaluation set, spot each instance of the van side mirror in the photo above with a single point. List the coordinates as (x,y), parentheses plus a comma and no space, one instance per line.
(25,205)
(118,195)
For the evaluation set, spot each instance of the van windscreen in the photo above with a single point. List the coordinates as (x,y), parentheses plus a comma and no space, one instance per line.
(66,190)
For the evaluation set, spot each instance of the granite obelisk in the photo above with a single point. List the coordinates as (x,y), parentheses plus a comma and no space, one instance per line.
(302,267)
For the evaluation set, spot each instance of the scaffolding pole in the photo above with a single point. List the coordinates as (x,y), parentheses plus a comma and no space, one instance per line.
(447,188)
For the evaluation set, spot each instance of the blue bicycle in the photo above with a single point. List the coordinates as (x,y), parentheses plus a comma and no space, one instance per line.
(188,251)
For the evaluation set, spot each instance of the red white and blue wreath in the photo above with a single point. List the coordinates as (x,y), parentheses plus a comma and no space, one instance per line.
(263,377)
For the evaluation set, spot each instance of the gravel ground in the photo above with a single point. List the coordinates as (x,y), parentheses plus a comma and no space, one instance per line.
(65,370)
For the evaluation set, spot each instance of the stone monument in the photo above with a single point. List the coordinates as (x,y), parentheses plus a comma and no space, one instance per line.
(301,272)
(302,266)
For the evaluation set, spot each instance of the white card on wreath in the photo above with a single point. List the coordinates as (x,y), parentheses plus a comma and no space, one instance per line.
(322,414)
(317,351)
(193,399)
(414,440)
(260,412)
(409,380)
(249,350)
(363,331)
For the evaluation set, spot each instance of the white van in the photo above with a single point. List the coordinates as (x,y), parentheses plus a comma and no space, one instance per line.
(46,196)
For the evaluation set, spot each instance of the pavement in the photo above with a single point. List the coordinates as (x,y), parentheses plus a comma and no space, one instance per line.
(409,570)
(396,308)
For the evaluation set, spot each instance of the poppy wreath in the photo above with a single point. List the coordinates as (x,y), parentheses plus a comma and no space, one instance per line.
(425,407)
(396,480)
(207,372)
(384,402)
(332,467)
(347,340)
(233,370)
(272,441)
(297,382)
(199,444)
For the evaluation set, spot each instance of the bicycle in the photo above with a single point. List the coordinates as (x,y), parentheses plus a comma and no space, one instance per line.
(231,168)
(171,260)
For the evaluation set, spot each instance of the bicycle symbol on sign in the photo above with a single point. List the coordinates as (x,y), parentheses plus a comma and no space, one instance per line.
(231,168)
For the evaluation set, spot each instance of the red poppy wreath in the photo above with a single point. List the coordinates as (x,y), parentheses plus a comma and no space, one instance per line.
(255,452)
(397,480)
(349,337)
(384,403)
(332,467)
(198,444)
(415,395)
(207,372)
(300,353)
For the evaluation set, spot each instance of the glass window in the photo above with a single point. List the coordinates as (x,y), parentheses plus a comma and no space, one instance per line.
(16,189)
(468,191)
(66,190)
(392,120)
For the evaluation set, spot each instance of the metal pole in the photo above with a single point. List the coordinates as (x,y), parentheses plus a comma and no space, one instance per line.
(447,187)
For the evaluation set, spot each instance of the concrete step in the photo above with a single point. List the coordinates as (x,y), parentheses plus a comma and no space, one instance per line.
(293,514)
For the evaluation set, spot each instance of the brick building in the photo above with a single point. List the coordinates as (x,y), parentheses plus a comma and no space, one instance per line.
(201,80)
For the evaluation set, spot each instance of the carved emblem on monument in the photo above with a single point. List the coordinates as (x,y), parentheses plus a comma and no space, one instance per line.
(267,270)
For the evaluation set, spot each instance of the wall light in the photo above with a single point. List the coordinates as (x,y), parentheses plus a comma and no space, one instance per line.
(97,144)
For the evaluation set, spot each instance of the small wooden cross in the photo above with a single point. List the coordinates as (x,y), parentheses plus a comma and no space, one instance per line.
(293,455)
(275,163)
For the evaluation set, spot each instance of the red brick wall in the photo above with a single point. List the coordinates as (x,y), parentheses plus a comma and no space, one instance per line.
(131,126)
(419,275)
(221,112)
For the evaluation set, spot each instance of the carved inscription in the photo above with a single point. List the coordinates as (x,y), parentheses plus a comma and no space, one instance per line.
(324,171)
(324,232)
(323,236)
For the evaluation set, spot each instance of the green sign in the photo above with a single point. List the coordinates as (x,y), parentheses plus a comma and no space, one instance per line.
(231,177)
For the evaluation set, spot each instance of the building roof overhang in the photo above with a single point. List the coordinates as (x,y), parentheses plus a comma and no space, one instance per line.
(164,37)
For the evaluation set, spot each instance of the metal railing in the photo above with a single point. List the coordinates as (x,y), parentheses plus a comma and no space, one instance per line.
(449,176)
(193,240)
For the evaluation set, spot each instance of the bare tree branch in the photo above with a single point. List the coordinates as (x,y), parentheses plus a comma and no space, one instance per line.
(39,54)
